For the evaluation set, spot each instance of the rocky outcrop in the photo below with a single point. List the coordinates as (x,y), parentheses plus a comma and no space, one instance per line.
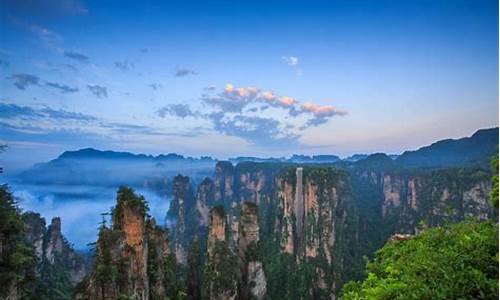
(205,197)
(158,253)
(52,248)
(253,284)
(406,201)
(184,214)
(318,222)
(221,270)
(130,255)
(223,181)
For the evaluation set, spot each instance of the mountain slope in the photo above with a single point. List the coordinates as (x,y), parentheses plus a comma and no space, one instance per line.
(474,150)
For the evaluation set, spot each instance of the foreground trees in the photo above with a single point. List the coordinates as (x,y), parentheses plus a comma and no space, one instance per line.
(452,262)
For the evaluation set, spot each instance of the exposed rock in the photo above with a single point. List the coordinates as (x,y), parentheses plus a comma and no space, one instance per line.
(317,211)
(400,237)
(185,214)
(205,197)
(253,279)
(224,178)
(130,256)
(52,249)
(158,251)
(221,270)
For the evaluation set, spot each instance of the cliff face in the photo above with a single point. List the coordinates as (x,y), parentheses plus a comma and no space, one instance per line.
(205,197)
(318,223)
(130,255)
(184,214)
(223,181)
(221,269)
(54,253)
(131,221)
(407,201)
(157,255)
(300,232)
(253,283)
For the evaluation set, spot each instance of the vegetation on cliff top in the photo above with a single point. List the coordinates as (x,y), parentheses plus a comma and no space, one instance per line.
(452,262)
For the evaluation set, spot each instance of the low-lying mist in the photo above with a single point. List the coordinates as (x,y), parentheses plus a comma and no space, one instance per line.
(80,207)
(79,186)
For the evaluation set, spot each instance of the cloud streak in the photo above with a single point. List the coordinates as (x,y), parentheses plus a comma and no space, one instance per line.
(22,80)
(98,91)
(124,65)
(178,110)
(14,111)
(81,58)
(62,87)
(181,72)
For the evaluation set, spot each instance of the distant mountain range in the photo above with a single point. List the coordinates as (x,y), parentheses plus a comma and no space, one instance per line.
(474,150)
(91,166)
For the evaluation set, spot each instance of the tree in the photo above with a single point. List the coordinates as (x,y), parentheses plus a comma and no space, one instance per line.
(457,261)
(494,189)
(17,257)
(193,275)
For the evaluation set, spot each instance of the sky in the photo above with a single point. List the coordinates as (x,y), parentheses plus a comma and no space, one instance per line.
(230,78)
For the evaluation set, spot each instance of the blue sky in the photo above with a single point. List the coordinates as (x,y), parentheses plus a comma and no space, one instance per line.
(227,78)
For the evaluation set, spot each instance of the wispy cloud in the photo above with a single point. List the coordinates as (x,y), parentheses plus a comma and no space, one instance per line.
(290,60)
(181,72)
(178,110)
(82,58)
(62,87)
(98,91)
(155,86)
(14,111)
(23,80)
(124,65)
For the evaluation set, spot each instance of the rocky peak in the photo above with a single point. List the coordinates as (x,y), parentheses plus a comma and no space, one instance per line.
(35,231)
(183,214)
(52,248)
(217,228)
(131,256)
(205,197)
(253,279)
(224,180)
(54,240)
(221,272)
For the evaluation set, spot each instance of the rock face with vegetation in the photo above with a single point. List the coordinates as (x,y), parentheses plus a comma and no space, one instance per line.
(59,266)
(131,255)
(221,268)
(315,223)
(406,201)
(184,214)
(36,262)
(253,283)
(318,228)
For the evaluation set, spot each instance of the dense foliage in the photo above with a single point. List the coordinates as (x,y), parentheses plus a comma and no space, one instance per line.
(17,258)
(126,196)
(221,272)
(452,262)
(494,181)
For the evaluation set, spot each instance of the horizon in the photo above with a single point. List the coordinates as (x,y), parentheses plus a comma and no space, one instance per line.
(244,79)
(4,158)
